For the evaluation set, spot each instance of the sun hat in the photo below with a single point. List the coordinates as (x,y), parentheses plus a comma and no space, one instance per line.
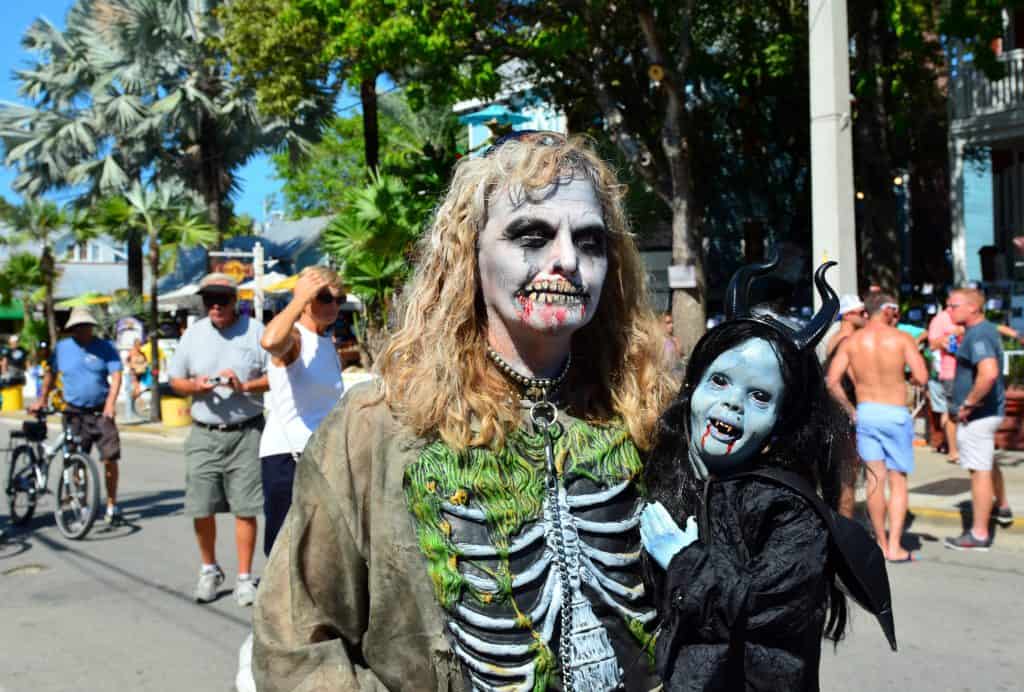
(80,315)
(848,302)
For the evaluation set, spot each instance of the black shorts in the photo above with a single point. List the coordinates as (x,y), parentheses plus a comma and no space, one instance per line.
(91,426)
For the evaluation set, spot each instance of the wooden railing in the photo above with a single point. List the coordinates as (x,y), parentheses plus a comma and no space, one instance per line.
(973,94)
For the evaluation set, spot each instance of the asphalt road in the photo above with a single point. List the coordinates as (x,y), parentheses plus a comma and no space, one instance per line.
(114,612)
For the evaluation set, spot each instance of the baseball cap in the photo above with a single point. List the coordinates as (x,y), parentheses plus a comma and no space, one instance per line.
(218,282)
(848,302)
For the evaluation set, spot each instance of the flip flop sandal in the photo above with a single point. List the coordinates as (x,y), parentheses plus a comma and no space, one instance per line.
(911,557)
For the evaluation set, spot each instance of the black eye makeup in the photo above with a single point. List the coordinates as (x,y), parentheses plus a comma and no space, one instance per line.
(534,233)
(590,239)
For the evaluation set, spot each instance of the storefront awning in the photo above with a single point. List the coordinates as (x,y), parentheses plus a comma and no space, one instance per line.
(12,311)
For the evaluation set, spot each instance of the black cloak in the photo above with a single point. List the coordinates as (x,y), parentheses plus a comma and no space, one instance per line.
(744,606)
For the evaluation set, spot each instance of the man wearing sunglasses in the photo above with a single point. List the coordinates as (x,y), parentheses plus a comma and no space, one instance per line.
(219,363)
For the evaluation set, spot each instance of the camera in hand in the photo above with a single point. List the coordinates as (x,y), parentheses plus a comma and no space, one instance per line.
(218,380)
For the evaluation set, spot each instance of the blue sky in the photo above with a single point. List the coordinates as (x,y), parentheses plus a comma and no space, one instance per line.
(255,179)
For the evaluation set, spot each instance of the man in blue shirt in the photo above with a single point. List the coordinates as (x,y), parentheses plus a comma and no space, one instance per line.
(90,371)
(978,406)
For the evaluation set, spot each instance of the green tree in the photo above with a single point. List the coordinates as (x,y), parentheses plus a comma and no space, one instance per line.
(135,87)
(419,146)
(900,65)
(169,222)
(292,51)
(371,240)
(21,278)
(39,221)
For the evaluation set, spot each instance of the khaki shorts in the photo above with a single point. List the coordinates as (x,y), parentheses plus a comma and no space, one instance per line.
(222,472)
(976,442)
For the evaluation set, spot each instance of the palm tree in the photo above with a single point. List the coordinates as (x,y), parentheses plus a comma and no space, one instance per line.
(371,240)
(135,87)
(39,221)
(166,218)
(21,278)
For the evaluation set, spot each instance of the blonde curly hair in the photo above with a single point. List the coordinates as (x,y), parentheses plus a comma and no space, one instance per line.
(436,375)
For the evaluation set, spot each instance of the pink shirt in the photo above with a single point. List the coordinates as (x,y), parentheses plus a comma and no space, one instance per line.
(941,327)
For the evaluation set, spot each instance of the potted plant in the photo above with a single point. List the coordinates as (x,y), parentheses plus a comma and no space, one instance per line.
(1010,434)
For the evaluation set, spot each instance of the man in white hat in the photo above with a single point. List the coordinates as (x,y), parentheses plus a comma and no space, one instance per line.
(852,316)
(220,364)
(90,371)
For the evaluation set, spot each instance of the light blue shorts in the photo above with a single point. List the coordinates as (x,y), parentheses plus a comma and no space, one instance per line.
(886,433)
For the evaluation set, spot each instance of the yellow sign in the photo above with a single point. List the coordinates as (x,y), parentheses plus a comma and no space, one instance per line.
(239,271)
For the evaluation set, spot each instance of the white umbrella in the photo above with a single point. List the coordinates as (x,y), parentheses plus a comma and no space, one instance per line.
(186,297)
(186,291)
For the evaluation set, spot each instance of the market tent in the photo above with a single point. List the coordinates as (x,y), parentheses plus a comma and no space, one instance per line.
(186,291)
(284,285)
(247,290)
(91,298)
(180,298)
(351,304)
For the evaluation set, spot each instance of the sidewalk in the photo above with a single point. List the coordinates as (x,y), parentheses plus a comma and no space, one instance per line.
(940,493)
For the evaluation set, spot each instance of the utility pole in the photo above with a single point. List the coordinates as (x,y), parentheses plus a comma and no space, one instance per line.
(832,217)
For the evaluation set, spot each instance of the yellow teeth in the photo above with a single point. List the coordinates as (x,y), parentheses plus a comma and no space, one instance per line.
(557,286)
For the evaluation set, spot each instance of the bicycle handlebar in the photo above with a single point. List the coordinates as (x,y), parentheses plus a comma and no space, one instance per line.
(42,413)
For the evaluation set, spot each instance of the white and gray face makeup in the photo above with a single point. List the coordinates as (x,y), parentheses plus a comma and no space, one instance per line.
(735,406)
(543,258)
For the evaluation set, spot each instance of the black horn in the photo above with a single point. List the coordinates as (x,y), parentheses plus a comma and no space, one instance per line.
(738,293)
(812,333)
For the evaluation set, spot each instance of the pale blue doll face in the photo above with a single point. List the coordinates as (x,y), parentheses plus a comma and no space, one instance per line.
(736,405)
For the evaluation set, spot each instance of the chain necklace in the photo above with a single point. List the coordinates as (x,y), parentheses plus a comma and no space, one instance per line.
(544,416)
(534,388)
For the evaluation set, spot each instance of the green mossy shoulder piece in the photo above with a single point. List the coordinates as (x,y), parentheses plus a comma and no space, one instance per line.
(508,486)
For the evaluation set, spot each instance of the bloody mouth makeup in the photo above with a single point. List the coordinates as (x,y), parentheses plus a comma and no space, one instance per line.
(734,408)
(543,260)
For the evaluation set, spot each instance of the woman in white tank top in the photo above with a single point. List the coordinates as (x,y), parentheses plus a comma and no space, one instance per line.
(305,384)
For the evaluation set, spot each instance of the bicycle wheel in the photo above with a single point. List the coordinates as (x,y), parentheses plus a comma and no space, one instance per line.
(21,485)
(78,496)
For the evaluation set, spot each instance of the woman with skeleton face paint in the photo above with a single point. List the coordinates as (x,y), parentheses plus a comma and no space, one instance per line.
(471,521)
(743,460)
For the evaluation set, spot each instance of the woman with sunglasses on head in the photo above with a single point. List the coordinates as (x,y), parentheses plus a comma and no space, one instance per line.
(305,384)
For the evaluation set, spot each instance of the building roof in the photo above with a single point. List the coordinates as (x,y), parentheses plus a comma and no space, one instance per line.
(293,233)
(79,278)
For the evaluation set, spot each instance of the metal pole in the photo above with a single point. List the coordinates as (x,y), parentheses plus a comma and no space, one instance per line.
(257,275)
(832,217)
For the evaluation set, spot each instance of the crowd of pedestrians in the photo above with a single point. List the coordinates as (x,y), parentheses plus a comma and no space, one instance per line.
(869,360)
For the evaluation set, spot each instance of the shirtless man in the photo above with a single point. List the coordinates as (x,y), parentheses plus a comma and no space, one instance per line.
(876,358)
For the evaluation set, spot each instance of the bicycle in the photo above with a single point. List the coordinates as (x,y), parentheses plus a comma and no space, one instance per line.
(78,492)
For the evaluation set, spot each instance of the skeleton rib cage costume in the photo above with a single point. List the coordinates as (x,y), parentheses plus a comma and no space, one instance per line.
(534,554)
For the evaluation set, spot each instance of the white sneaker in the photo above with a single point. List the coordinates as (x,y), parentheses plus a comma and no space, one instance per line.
(206,587)
(245,592)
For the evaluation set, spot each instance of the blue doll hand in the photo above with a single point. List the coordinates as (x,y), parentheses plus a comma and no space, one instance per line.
(661,536)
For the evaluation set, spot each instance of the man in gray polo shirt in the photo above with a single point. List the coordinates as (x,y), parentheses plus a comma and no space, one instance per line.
(219,363)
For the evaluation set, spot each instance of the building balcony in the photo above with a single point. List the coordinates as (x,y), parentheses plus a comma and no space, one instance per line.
(985,110)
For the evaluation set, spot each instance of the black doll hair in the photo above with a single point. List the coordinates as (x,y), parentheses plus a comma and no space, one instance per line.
(802,440)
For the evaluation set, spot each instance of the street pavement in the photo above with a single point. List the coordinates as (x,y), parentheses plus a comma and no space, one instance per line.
(114,612)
